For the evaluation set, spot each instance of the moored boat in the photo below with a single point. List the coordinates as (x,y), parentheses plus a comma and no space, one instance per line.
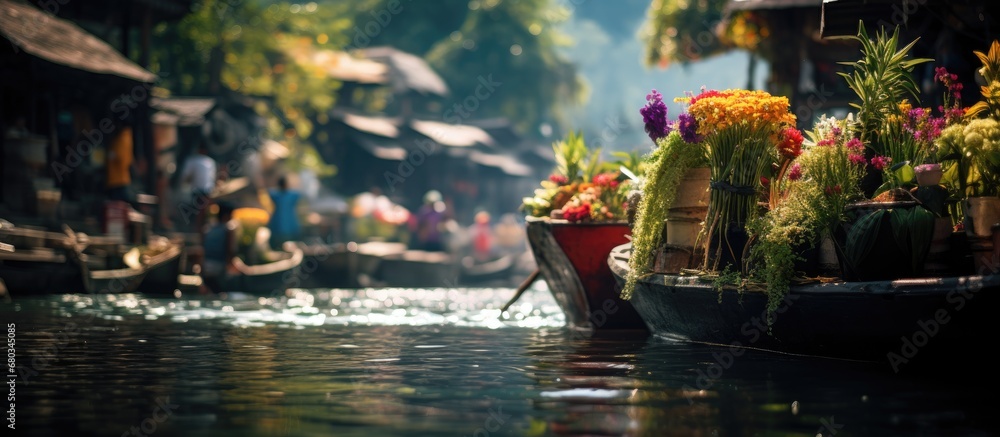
(892,321)
(271,278)
(163,264)
(572,258)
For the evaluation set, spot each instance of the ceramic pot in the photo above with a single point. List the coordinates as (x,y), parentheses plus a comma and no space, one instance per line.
(929,175)
(984,212)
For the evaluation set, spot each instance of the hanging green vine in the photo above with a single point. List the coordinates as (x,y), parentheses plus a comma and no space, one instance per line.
(668,162)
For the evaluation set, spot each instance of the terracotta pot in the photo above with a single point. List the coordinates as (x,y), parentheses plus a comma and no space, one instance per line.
(692,193)
(682,232)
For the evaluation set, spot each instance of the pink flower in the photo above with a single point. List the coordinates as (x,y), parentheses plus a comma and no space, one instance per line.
(559,179)
(606,180)
(856,158)
(795,172)
(881,162)
(855,144)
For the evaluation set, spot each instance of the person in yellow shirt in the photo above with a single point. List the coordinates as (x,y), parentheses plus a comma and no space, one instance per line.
(119,164)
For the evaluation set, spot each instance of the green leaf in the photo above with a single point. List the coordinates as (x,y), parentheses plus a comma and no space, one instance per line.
(861,238)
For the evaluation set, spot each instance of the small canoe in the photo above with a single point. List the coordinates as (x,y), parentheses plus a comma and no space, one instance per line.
(572,258)
(890,321)
(269,279)
(163,266)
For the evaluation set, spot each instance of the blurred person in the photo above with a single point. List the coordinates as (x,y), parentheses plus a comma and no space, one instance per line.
(118,165)
(199,173)
(284,223)
(427,224)
(482,237)
(221,244)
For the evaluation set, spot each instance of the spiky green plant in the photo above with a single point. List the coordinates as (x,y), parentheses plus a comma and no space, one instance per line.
(881,79)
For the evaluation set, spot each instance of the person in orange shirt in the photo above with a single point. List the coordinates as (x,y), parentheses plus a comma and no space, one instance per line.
(119,164)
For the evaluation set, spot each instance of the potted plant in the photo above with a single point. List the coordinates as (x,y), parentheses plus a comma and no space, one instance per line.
(815,191)
(678,149)
(881,79)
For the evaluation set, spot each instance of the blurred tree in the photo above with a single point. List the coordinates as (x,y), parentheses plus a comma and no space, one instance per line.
(514,46)
(498,57)
(682,30)
(245,46)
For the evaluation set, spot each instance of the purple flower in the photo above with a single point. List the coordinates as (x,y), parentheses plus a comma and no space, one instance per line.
(654,116)
(688,127)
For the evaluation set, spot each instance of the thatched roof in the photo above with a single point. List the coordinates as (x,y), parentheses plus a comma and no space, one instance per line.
(62,42)
(181,111)
(454,135)
(407,72)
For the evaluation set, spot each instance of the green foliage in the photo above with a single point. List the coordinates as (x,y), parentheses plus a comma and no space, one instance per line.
(970,155)
(676,30)
(881,79)
(248,47)
(668,163)
(795,224)
(739,156)
(572,157)
(912,229)
(631,161)
(538,83)
(990,105)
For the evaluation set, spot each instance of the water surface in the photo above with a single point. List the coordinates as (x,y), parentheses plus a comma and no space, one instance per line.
(405,362)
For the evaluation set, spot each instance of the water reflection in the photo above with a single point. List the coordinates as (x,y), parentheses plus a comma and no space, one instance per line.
(433,362)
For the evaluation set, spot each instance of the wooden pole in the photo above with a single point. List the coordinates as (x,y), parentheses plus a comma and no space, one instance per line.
(521,289)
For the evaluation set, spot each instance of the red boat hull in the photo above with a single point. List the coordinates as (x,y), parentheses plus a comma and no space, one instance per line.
(572,258)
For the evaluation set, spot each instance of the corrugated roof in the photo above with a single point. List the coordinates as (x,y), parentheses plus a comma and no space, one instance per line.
(408,72)
(454,135)
(62,42)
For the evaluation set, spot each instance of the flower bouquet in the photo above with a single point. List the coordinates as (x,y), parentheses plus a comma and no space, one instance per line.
(583,188)
(745,133)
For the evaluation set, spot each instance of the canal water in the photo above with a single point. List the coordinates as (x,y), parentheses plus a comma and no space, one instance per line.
(435,362)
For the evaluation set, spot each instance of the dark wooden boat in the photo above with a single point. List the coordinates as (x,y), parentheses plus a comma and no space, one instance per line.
(269,279)
(891,321)
(499,270)
(163,266)
(37,271)
(417,268)
(572,258)
(327,266)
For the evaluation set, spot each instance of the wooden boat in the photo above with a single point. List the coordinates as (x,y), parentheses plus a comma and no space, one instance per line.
(269,279)
(38,271)
(328,265)
(42,262)
(890,321)
(163,263)
(492,271)
(572,258)
(417,268)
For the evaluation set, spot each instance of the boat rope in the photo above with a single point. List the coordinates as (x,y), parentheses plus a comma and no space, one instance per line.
(743,190)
